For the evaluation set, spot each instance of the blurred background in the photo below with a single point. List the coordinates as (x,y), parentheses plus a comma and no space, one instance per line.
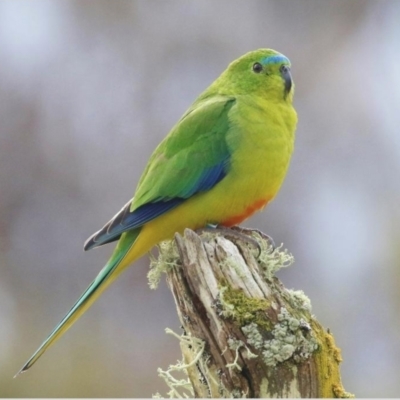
(89,88)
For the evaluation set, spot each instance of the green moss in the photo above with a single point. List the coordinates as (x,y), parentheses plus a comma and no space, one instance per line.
(242,309)
(292,338)
(234,344)
(272,260)
(181,386)
(327,359)
(298,300)
(253,335)
(340,393)
(167,259)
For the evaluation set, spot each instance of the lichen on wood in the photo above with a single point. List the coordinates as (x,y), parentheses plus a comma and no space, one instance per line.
(244,333)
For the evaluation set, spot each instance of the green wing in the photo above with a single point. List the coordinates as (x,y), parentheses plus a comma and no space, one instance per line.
(193,158)
(195,144)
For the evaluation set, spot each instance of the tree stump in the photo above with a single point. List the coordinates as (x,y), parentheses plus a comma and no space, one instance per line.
(245,334)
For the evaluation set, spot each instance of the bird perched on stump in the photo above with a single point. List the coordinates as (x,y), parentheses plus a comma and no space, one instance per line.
(225,159)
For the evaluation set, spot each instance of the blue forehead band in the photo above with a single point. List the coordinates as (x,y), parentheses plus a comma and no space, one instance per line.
(275,60)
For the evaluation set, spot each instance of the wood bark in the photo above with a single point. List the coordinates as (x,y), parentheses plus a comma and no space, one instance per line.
(245,334)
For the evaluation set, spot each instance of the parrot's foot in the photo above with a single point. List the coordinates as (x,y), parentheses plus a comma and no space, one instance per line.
(248,231)
(239,234)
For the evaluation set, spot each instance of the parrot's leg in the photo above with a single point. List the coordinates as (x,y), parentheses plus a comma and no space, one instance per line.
(262,234)
(232,234)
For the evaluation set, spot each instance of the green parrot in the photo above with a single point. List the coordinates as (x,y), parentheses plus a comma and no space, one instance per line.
(225,159)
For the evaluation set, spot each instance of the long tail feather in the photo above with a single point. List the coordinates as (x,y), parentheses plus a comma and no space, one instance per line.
(105,277)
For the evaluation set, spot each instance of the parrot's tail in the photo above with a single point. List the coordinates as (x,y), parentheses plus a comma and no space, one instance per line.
(105,277)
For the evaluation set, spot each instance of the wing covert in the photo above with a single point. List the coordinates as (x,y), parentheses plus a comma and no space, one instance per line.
(191,159)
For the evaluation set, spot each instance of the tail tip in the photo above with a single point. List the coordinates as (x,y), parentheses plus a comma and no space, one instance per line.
(21,371)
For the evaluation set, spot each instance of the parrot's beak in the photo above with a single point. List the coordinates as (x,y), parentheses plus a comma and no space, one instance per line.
(287,78)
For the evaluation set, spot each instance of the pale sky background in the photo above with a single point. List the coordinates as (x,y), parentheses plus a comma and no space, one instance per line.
(89,88)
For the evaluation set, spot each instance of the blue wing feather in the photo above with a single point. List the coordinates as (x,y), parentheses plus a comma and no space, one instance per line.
(128,220)
(168,180)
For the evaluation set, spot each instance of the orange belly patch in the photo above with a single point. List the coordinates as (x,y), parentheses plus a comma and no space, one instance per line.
(237,219)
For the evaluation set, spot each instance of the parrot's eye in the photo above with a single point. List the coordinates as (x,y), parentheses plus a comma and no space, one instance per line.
(257,67)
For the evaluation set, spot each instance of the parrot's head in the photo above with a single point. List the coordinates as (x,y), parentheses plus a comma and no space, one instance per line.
(262,72)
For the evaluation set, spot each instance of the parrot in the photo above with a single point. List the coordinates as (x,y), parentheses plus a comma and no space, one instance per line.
(224,160)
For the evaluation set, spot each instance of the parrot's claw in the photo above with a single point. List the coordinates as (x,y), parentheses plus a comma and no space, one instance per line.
(238,233)
(262,234)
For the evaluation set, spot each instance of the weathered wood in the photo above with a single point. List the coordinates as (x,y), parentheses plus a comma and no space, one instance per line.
(245,335)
